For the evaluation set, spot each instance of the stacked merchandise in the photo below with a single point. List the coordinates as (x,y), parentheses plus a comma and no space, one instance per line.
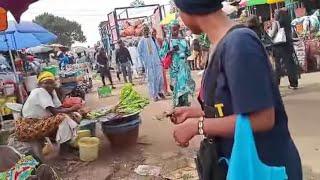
(300,50)
(77,79)
(8,92)
(307,46)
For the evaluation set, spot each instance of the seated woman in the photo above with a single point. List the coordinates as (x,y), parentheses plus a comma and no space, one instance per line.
(43,115)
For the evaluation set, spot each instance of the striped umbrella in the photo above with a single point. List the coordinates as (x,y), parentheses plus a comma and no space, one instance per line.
(259,2)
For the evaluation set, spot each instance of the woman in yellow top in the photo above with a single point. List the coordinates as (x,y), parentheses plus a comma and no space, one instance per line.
(43,114)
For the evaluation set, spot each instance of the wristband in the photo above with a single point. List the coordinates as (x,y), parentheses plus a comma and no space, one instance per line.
(200,126)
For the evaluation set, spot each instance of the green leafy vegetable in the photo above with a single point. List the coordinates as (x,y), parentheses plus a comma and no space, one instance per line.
(130,101)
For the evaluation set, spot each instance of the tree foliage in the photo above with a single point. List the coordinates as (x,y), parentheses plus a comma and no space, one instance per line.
(137,3)
(67,31)
(173,7)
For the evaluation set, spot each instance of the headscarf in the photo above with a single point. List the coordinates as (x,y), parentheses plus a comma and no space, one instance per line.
(45,75)
(199,6)
(174,23)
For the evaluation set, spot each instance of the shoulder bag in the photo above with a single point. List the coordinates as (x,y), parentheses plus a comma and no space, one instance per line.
(167,60)
(280,36)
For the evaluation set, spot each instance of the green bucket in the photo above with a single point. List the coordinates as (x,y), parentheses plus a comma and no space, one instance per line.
(104,91)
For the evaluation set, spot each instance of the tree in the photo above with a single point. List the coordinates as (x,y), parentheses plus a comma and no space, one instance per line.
(137,3)
(67,31)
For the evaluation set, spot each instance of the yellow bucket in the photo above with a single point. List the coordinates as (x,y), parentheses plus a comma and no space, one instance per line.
(89,148)
(81,134)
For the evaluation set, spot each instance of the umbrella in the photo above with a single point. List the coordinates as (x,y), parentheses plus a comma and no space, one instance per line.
(259,2)
(79,49)
(16,7)
(24,35)
(59,47)
(39,49)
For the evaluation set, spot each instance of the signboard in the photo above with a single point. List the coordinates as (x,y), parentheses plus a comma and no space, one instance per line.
(3,19)
(300,50)
(112,21)
(112,26)
(114,35)
(155,20)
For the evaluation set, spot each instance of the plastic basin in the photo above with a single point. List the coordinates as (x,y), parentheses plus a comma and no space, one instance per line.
(122,135)
(9,157)
(120,120)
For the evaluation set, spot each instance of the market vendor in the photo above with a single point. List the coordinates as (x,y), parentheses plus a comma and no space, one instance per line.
(43,115)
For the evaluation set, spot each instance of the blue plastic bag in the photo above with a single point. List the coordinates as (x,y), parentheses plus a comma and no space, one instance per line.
(244,163)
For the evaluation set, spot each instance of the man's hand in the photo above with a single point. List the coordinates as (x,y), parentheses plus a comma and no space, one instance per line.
(181,114)
(76,107)
(184,132)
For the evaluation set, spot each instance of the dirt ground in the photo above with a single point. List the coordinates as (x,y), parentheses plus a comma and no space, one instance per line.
(156,146)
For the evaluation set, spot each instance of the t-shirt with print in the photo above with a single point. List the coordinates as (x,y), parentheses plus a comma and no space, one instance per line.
(37,102)
(245,85)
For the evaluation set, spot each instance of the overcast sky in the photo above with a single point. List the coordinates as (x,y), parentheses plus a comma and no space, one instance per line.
(89,13)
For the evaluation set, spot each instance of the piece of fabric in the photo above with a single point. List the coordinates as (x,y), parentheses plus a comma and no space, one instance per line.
(38,102)
(16,7)
(37,129)
(245,85)
(180,73)
(199,6)
(22,170)
(244,151)
(152,65)
(67,130)
(45,75)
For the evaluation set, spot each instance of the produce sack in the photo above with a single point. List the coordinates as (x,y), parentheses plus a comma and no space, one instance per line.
(71,101)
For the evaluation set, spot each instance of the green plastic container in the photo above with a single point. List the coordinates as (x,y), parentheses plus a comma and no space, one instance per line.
(53,69)
(104,91)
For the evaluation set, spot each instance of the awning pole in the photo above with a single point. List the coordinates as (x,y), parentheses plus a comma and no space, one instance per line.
(10,53)
(16,78)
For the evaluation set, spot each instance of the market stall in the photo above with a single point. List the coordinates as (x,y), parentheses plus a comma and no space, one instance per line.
(307,41)
(76,80)
(15,38)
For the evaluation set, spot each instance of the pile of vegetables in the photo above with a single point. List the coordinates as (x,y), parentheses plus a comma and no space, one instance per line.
(130,101)
(97,114)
